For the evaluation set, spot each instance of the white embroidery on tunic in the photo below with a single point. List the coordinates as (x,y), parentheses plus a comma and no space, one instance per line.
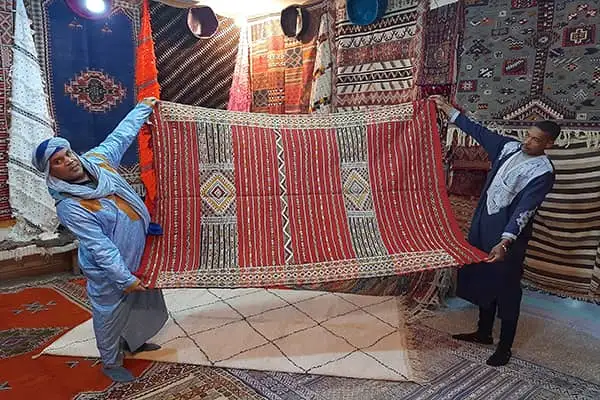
(509,148)
(506,186)
(523,219)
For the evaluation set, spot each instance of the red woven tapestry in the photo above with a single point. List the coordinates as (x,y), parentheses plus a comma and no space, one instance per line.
(257,200)
(146,82)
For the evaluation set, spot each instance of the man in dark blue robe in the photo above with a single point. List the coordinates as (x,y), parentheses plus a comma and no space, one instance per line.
(520,177)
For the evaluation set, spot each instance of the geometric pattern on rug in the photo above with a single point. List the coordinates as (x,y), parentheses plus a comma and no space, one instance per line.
(261,200)
(463,208)
(17,341)
(458,371)
(87,91)
(441,33)
(440,354)
(281,68)
(375,62)
(283,330)
(169,381)
(531,60)
(191,70)
(562,253)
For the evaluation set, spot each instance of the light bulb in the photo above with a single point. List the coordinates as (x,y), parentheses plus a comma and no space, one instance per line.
(95,6)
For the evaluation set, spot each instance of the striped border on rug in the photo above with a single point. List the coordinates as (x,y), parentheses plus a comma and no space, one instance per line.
(562,256)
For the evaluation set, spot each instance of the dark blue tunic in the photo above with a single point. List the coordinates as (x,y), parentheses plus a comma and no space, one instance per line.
(505,209)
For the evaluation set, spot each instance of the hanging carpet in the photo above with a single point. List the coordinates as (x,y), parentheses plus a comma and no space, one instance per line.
(527,60)
(441,33)
(193,71)
(6,41)
(32,205)
(89,67)
(376,63)
(281,67)
(562,253)
(250,200)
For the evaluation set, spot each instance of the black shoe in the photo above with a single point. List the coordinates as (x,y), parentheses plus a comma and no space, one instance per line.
(499,358)
(144,347)
(474,337)
(148,347)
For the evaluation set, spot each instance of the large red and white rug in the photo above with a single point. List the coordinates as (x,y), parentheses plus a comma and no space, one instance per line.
(257,200)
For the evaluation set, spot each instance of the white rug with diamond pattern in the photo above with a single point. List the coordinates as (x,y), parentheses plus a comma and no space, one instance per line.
(275,330)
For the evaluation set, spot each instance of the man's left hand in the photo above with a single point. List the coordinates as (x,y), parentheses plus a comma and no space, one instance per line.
(499,252)
(150,101)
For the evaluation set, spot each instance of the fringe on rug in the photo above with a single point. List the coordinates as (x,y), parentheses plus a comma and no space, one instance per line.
(534,287)
(567,136)
(422,306)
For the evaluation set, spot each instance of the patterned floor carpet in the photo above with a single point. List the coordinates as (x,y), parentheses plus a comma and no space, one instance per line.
(552,361)
(294,331)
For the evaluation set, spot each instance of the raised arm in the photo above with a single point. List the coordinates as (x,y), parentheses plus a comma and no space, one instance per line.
(119,140)
(491,141)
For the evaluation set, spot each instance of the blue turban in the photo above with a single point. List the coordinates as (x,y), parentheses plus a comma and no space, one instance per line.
(49,147)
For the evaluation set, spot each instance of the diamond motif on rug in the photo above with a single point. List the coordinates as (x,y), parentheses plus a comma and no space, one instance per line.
(95,91)
(357,189)
(17,341)
(218,192)
(293,57)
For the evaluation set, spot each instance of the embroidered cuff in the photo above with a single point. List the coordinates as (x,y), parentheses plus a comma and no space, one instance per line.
(453,115)
(509,236)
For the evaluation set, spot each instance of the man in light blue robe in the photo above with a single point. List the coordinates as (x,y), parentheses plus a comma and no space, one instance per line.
(111,222)
(520,178)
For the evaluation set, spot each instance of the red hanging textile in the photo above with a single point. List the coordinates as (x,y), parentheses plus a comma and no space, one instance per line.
(146,81)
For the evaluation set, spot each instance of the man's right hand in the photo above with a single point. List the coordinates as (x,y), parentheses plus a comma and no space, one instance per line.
(442,104)
(135,287)
(150,101)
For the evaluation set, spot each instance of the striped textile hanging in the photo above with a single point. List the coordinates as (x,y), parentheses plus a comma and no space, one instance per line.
(562,256)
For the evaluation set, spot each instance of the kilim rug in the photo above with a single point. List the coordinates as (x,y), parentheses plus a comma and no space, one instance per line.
(375,62)
(562,254)
(441,33)
(277,330)
(281,68)
(89,65)
(6,41)
(31,124)
(32,317)
(525,60)
(33,311)
(36,313)
(460,374)
(190,70)
(250,200)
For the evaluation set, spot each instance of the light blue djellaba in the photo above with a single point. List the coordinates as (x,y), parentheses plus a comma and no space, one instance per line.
(111,223)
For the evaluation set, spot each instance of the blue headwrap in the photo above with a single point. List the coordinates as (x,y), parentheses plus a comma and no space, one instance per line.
(45,150)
